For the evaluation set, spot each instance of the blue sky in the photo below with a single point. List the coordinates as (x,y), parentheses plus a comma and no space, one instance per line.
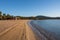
(31,7)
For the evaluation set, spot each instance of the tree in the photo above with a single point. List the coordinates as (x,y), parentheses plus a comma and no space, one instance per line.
(8,16)
(0,15)
(4,16)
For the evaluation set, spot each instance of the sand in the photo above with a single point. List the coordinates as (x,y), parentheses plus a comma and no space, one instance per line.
(15,30)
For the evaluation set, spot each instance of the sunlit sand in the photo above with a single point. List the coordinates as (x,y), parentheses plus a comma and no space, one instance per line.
(15,30)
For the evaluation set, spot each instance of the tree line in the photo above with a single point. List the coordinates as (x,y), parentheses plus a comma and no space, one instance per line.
(4,16)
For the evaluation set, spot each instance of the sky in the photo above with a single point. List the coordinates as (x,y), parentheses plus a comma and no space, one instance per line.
(31,7)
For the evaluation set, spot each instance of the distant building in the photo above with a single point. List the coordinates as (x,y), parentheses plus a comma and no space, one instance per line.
(17,18)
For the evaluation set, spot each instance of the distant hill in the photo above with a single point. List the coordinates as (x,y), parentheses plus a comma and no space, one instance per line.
(42,17)
(46,17)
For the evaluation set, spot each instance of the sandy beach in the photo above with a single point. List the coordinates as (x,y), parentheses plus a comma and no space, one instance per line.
(15,30)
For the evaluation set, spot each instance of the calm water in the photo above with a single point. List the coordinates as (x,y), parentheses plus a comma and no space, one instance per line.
(50,25)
